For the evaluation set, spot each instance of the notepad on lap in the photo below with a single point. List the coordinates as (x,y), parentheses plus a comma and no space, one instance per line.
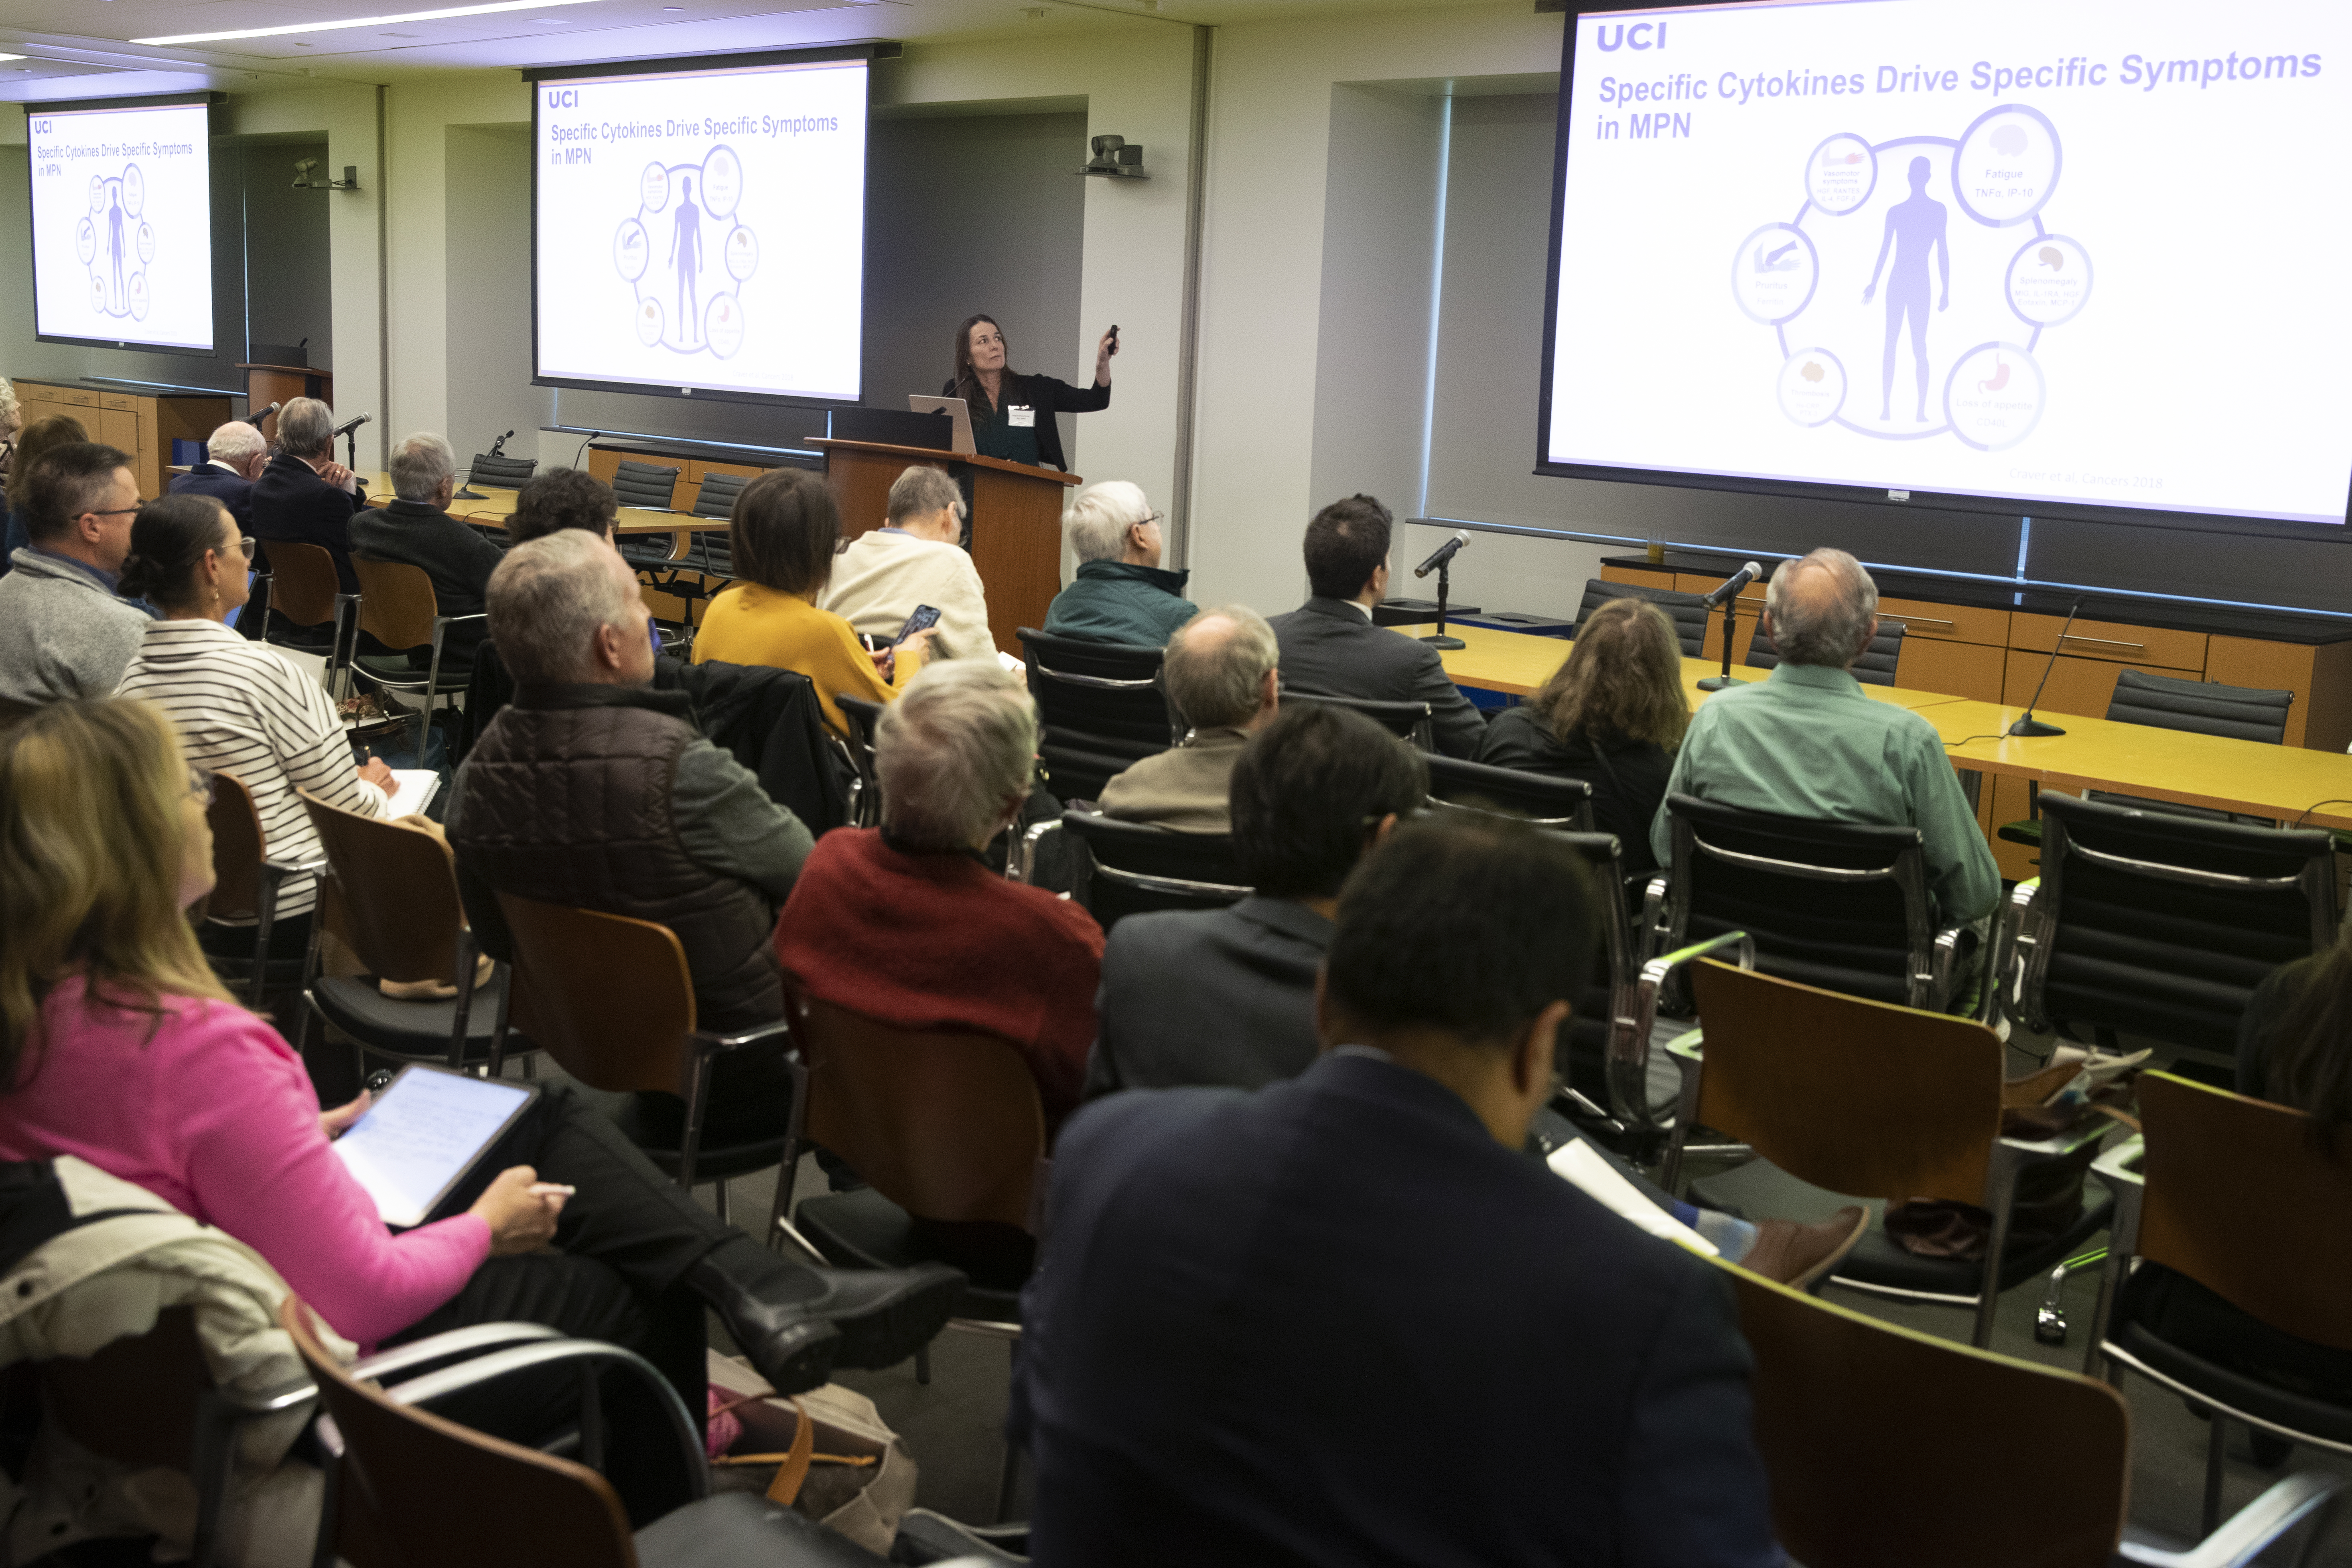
(1576,1164)
(424,1132)
(413,789)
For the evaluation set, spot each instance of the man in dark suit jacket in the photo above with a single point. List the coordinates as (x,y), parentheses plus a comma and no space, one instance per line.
(304,496)
(415,529)
(1345,1319)
(234,455)
(1330,645)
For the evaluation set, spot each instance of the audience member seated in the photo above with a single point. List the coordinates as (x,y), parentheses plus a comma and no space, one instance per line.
(240,707)
(564,498)
(415,528)
(783,536)
(1220,675)
(887,573)
(120,1048)
(39,438)
(63,630)
(1121,594)
(1227,996)
(1246,1300)
(594,790)
(1805,741)
(1611,715)
(908,925)
(235,456)
(1330,645)
(12,425)
(303,496)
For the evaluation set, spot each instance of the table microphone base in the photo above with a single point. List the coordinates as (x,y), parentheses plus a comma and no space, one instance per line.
(1720,682)
(2029,725)
(1444,642)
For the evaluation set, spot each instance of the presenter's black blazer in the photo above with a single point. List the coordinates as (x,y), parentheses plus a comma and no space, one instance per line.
(1044,393)
(1334,1322)
(234,491)
(292,503)
(1330,646)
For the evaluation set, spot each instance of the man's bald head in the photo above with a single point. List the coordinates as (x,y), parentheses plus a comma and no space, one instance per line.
(238,445)
(1218,667)
(1822,609)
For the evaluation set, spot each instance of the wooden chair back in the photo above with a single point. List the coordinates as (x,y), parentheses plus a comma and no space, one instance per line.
(1853,1095)
(1886,1445)
(948,1126)
(398,893)
(2232,1184)
(237,850)
(610,998)
(135,1401)
(302,581)
(396,604)
(415,1488)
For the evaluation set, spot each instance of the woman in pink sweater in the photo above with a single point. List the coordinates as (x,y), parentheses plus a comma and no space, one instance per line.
(118,1046)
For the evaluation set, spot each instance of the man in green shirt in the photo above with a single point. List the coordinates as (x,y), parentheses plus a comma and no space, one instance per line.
(1807,742)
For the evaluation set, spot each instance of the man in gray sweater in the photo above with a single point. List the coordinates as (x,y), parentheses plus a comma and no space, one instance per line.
(63,632)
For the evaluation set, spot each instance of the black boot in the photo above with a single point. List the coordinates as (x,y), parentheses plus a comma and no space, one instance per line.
(871,1318)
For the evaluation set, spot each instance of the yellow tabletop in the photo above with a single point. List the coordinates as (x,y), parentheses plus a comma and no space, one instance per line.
(497,505)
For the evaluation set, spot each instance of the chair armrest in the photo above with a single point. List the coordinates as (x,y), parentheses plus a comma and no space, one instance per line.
(1947,953)
(2243,1536)
(1027,856)
(233,1406)
(1655,972)
(436,1348)
(2118,1171)
(1654,909)
(709,1044)
(2009,931)
(275,872)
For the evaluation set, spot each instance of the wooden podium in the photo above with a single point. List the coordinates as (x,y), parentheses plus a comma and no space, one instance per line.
(1016,520)
(268,384)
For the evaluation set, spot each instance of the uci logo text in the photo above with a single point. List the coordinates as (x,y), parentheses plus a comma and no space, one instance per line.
(1640,36)
(564,98)
(41,127)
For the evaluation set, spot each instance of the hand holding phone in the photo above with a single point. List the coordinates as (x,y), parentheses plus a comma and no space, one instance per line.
(925,618)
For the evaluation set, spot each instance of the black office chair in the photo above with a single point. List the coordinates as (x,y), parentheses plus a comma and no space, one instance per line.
(499,472)
(1101,706)
(1687,611)
(1406,721)
(1132,868)
(1840,905)
(648,485)
(1874,668)
(2161,926)
(866,791)
(1548,802)
(711,550)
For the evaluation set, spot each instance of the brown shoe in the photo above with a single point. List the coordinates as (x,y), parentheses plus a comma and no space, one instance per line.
(1799,1255)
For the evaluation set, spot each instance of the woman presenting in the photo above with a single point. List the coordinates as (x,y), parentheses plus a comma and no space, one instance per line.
(1012,416)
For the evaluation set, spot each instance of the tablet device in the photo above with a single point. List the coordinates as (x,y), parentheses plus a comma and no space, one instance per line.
(424,1133)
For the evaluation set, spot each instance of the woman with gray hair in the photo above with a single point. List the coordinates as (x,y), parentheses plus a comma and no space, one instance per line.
(908,925)
(1121,594)
(918,558)
(415,529)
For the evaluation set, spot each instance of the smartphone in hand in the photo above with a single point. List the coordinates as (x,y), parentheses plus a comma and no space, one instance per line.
(925,618)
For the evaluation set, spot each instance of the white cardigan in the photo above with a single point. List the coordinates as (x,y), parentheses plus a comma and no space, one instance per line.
(885,573)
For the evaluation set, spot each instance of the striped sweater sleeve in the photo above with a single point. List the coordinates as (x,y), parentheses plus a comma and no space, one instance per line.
(312,746)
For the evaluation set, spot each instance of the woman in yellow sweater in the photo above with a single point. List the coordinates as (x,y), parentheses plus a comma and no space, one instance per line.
(782,535)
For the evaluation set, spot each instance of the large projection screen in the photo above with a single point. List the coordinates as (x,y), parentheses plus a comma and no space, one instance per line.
(701,231)
(122,228)
(2080,258)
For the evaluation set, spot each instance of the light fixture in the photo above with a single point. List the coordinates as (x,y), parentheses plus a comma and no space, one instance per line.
(11,57)
(448,13)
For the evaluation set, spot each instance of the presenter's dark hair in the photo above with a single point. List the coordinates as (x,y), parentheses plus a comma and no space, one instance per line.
(1347,541)
(783,531)
(168,541)
(1309,792)
(1468,927)
(65,482)
(967,382)
(561,498)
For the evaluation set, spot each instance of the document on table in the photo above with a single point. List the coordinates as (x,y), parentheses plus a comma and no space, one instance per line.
(424,1134)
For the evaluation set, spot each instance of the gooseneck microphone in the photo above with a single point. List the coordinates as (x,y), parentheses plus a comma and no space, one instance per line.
(348,425)
(1444,553)
(2029,724)
(1727,593)
(1733,584)
(593,435)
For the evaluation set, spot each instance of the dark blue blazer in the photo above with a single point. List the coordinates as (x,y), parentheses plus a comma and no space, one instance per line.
(291,502)
(1330,646)
(231,490)
(1333,1321)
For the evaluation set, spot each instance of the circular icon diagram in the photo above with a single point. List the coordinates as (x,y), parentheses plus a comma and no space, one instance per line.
(684,256)
(631,250)
(1993,396)
(653,188)
(117,245)
(722,326)
(1812,386)
(146,242)
(2006,165)
(649,321)
(742,253)
(2049,280)
(134,190)
(723,181)
(1773,275)
(138,291)
(98,192)
(85,240)
(1841,175)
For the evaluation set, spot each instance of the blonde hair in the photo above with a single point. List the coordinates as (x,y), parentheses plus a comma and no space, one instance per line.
(1622,680)
(91,841)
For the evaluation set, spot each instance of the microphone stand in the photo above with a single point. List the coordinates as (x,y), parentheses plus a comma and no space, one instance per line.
(1444,571)
(351,449)
(1730,621)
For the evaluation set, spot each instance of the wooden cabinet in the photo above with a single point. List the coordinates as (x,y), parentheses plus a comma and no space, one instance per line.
(143,425)
(1964,669)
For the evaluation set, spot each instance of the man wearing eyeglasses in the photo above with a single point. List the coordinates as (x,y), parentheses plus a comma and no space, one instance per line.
(63,631)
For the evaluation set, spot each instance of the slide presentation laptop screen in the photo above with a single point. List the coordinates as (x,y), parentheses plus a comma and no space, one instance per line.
(122,228)
(2013,255)
(702,231)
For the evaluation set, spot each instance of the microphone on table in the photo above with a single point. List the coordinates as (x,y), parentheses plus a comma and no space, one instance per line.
(499,447)
(466,491)
(1444,553)
(2029,724)
(1727,593)
(261,414)
(1733,584)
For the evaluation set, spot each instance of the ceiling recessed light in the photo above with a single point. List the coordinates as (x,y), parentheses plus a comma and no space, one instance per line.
(491,8)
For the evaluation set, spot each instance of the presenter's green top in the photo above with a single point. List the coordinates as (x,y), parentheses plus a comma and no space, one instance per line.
(1022,430)
(1009,432)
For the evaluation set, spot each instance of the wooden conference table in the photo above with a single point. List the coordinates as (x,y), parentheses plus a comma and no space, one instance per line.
(498,505)
(2283,782)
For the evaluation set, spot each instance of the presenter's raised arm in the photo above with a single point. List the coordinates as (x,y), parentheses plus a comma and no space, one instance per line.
(1103,350)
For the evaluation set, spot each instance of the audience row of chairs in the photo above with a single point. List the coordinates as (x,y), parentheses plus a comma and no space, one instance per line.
(395,606)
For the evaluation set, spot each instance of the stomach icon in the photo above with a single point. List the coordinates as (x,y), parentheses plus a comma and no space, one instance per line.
(1999,378)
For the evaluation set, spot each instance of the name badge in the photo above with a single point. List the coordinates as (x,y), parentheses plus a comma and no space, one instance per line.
(1020,417)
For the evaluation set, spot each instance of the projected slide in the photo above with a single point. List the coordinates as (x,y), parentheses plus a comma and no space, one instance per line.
(122,249)
(704,231)
(2081,252)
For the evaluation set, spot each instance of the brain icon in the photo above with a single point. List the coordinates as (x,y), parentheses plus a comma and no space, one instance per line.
(2009,141)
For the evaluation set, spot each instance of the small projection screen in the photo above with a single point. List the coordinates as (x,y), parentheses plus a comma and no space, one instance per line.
(122,233)
(2071,257)
(701,231)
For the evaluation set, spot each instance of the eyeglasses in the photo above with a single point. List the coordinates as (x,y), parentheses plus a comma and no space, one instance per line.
(245,545)
(200,786)
(1148,518)
(113,510)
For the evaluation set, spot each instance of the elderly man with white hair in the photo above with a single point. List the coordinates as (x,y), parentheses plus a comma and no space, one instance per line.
(303,496)
(415,529)
(1220,673)
(235,456)
(906,924)
(1807,742)
(1121,594)
(917,558)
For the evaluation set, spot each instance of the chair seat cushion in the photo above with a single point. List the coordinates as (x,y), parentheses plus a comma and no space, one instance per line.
(394,669)
(418,1030)
(714,1162)
(1762,1190)
(863,1229)
(734,1529)
(2311,1415)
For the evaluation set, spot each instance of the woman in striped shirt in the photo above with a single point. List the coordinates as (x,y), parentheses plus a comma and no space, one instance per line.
(240,707)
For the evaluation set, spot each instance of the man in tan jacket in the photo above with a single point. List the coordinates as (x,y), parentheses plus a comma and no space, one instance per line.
(916,559)
(1221,675)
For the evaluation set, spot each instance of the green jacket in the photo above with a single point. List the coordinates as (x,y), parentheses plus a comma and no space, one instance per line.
(1115,601)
